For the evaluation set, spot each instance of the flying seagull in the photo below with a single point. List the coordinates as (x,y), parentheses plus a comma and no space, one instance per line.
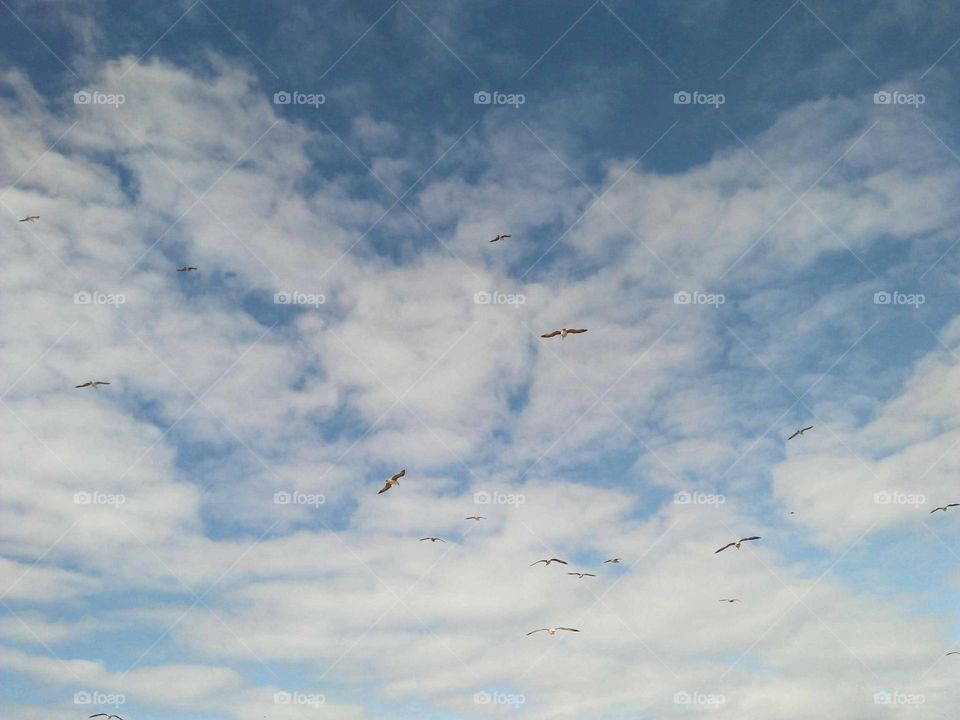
(552,631)
(582,575)
(547,562)
(433,539)
(612,560)
(478,518)
(106,716)
(800,432)
(395,480)
(944,508)
(730,600)
(737,543)
(186,268)
(92,384)
(500,237)
(30,218)
(563,333)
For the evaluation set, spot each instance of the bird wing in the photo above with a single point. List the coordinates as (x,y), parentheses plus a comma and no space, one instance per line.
(570,629)
(576,330)
(755,537)
(794,435)
(551,334)
(562,562)
(953,505)
(536,631)
(724,547)
(386,487)
(935,509)
(538,562)
(398,475)
(588,574)
(807,428)
(86,384)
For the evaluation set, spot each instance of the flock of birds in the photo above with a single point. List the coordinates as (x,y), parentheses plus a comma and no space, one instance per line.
(394,480)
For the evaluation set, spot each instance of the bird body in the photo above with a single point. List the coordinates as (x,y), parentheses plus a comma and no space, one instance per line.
(92,384)
(729,600)
(395,480)
(581,575)
(612,560)
(944,508)
(30,218)
(551,560)
(500,237)
(564,332)
(736,543)
(553,631)
(433,539)
(478,518)
(186,268)
(800,432)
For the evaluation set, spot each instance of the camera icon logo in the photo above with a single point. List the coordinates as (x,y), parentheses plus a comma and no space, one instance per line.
(82,498)
(482,98)
(881,298)
(282,298)
(682,298)
(882,698)
(82,698)
(482,698)
(882,98)
(882,498)
(481,498)
(682,98)
(682,498)
(282,698)
(82,97)
(282,98)
(81,298)
(281,498)
(482,298)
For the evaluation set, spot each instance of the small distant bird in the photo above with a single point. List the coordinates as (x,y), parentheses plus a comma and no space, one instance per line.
(612,560)
(433,539)
(500,237)
(92,384)
(106,716)
(547,562)
(944,508)
(552,631)
(800,432)
(582,575)
(737,543)
(395,480)
(30,218)
(563,333)
(186,268)
(478,518)
(729,600)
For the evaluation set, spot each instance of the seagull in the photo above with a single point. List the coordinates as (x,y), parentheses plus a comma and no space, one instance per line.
(500,237)
(563,333)
(582,575)
(395,480)
(186,268)
(944,508)
(478,518)
(433,539)
(547,562)
(30,218)
(552,631)
(92,384)
(800,432)
(612,560)
(106,716)
(730,600)
(737,543)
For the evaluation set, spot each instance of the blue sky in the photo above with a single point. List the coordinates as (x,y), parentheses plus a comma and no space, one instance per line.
(203,538)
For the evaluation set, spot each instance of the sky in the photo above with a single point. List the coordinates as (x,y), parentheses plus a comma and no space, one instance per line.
(750,206)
